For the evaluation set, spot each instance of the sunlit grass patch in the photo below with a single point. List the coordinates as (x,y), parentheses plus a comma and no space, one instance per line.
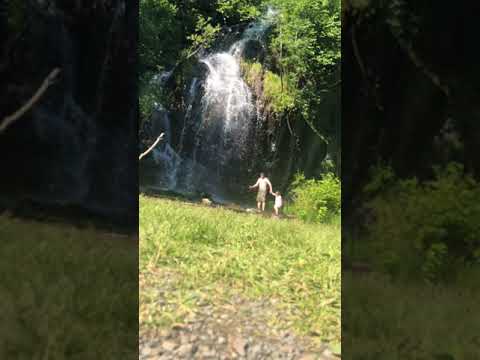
(218,252)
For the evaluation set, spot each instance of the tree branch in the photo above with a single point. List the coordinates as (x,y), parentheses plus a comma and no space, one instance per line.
(33,100)
(356,52)
(323,138)
(363,70)
(334,85)
(434,78)
(119,11)
(151,147)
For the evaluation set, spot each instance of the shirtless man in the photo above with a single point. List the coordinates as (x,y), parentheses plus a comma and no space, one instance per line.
(264,186)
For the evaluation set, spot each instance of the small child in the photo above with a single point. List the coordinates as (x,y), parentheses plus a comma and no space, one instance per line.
(278,202)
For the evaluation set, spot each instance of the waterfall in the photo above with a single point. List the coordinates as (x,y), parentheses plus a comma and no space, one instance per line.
(164,156)
(226,113)
(72,131)
(219,118)
(161,78)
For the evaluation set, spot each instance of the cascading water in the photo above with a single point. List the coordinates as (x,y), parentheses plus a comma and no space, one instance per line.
(74,134)
(219,118)
(226,113)
(165,156)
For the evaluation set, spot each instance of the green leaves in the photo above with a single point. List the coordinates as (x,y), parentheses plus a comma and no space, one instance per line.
(252,73)
(159,34)
(280,95)
(234,11)
(16,15)
(307,35)
(204,34)
(316,200)
(432,224)
(305,48)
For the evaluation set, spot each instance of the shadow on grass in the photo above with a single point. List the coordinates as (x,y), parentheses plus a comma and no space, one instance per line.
(67,293)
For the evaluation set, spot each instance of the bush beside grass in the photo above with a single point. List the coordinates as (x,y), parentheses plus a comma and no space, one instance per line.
(66,293)
(316,200)
(429,229)
(421,242)
(294,262)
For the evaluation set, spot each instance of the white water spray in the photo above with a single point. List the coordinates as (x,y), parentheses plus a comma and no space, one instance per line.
(227,97)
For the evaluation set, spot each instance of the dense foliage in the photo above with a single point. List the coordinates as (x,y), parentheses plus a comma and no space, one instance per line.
(316,200)
(401,87)
(306,51)
(408,101)
(428,228)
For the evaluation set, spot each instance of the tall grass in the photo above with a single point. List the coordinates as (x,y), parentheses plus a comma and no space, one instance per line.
(66,293)
(293,262)
(410,321)
(420,242)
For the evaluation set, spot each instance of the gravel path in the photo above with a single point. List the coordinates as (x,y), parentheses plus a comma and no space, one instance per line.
(239,329)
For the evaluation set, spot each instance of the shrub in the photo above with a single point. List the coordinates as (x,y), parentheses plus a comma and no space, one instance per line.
(252,72)
(429,228)
(280,95)
(316,200)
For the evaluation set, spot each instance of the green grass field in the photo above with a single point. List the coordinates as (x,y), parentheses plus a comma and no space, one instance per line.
(220,253)
(392,318)
(67,293)
(398,321)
